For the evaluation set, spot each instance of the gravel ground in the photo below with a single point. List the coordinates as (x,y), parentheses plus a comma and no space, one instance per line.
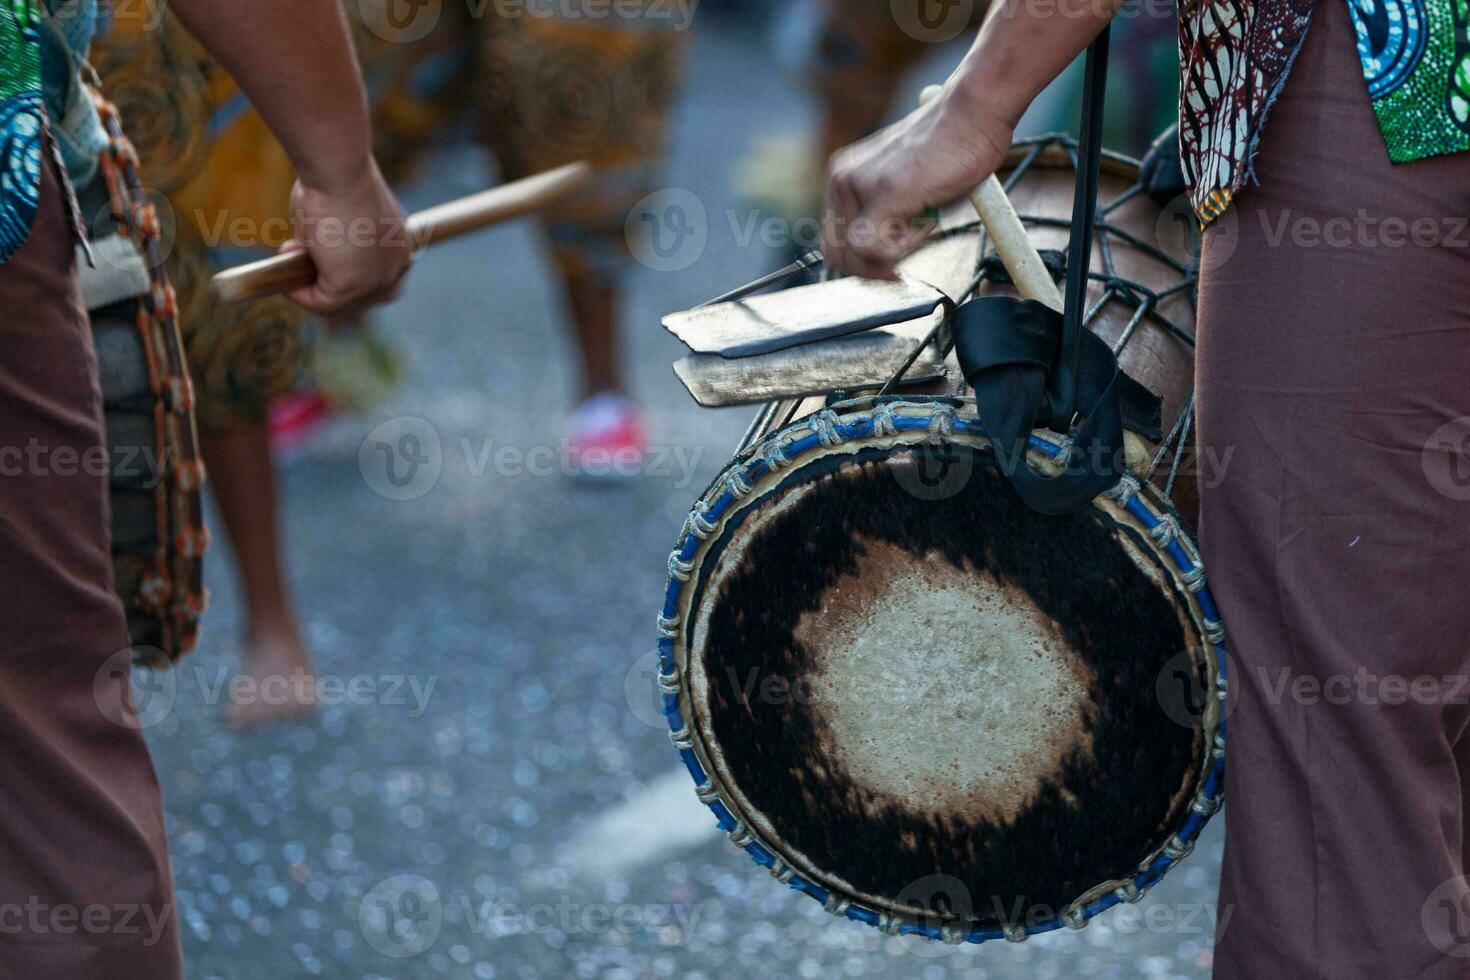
(488,796)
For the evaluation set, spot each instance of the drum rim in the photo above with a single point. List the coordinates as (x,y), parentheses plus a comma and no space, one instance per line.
(867,419)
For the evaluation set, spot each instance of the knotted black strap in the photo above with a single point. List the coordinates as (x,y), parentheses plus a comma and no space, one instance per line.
(1010,351)
(1032,366)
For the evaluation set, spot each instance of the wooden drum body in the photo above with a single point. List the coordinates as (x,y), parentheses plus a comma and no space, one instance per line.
(156,476)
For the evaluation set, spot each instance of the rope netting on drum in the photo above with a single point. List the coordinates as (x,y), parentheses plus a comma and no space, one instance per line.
(1146,302)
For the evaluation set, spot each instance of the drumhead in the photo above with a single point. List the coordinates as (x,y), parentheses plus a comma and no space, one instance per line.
(924,702)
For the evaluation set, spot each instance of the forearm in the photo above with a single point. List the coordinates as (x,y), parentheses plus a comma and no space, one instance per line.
(294,59)
(1023,46)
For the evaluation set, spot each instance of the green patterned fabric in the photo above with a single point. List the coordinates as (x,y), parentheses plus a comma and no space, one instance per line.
(1416,60)
(21,123)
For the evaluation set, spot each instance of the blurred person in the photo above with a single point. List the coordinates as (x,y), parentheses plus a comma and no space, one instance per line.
(544,85)
(856,55)
(553,89)
(549,91)
(1333,335)
(82,829)
(256,366)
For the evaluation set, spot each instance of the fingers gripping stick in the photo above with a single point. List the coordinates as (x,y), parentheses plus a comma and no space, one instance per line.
(1012,244)
(292,270)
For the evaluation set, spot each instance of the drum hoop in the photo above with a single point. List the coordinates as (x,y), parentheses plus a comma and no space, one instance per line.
(865,420)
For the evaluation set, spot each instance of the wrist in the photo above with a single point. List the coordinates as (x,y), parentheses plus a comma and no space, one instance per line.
(987,98)
(341,177)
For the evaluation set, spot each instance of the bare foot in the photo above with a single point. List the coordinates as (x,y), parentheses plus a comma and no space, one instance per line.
(276,684)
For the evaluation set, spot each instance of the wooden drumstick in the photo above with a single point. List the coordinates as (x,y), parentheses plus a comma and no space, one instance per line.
(293,270)
(1012,244)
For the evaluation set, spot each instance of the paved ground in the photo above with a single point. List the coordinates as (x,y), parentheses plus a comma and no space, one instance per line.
(485,800)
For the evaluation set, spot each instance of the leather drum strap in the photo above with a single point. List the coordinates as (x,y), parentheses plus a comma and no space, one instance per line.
(1032,366)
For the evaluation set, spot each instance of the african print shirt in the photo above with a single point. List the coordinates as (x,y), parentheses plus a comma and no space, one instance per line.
(1416,58)
(1234,56)
(21,123)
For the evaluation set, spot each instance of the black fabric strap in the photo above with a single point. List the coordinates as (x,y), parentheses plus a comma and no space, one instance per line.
(1009,349)
(1032,366)
(1084,202)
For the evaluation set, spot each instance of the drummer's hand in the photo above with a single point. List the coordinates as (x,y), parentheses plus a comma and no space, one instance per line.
(878,187)
(356,236)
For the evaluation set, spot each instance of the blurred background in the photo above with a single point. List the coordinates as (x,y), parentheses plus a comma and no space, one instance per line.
(485,788)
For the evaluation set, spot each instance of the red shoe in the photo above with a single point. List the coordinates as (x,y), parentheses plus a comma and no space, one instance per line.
(607,439)
(295,417)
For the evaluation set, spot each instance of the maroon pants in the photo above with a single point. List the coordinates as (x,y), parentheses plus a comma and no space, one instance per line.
(1334,401)
(85,889)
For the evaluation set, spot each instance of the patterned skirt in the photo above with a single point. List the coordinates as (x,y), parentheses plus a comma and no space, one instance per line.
(540,91)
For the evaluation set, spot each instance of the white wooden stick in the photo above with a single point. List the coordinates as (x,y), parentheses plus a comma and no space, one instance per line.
(1012,244)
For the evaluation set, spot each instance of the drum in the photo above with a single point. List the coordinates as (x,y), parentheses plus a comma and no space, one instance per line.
(156,477)
(916,700)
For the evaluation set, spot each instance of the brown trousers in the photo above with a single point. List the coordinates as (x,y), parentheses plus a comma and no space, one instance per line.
(85,888)
(1334,401)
